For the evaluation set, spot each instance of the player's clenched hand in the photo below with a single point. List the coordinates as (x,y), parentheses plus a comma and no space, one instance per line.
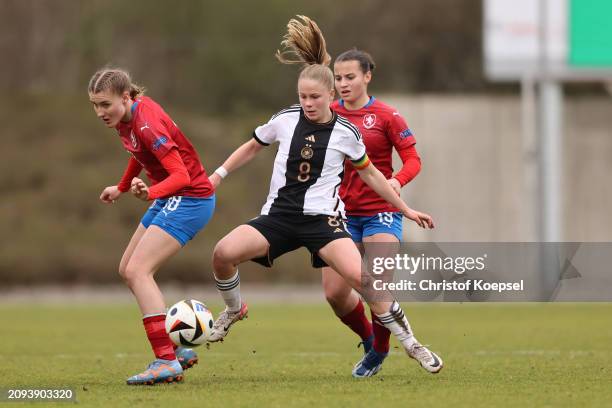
(139,189)
(422,219)
(395,185)
(110,194)
(215,180)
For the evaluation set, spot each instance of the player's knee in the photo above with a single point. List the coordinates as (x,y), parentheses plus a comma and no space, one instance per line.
(222,255)
(132,273)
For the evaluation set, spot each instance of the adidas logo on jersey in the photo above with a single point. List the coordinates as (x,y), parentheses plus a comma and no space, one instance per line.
(311,138)
(337,230)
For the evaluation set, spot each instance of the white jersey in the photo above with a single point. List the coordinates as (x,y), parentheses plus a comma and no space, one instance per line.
(309,164)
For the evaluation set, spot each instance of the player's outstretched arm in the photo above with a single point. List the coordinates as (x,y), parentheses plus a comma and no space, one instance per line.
(239,158)
(377,182)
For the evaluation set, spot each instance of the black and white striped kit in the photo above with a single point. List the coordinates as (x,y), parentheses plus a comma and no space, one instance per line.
(309,164)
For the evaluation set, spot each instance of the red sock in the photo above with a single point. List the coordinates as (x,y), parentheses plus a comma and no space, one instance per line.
(381,335)
(358,322)
(160,341)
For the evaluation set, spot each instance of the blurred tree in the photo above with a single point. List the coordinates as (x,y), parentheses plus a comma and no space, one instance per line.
(218,56)
(211,65)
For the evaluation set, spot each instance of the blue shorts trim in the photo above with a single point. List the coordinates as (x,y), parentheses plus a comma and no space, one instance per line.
(385,223)
(181,217)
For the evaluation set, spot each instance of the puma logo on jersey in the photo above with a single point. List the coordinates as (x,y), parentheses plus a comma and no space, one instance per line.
(146,126)
(311,138)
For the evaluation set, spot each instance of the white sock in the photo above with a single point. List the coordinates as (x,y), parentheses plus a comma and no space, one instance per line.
(230,292)
(396,322)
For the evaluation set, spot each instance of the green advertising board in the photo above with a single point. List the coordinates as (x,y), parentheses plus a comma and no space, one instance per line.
(590,33)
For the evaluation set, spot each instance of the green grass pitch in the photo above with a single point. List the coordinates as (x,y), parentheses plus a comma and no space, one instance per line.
(495,355)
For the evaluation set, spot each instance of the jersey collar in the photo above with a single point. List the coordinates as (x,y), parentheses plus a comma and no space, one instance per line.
(367,105)
(134,105)
(333,118)
(132,110)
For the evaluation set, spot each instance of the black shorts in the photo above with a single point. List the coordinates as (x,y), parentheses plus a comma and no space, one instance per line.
(286,233)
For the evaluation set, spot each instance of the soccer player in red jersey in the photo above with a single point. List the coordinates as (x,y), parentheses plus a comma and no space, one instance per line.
(371,219)
(183,203)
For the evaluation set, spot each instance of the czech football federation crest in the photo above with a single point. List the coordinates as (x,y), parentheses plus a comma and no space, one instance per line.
(134,140)
(369,120)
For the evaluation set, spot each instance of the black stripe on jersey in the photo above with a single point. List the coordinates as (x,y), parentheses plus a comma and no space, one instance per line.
(341,175)
(350,126)
(291,197)
(261,142)
(292,108)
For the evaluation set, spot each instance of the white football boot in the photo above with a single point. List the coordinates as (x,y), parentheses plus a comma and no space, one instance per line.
(225,320)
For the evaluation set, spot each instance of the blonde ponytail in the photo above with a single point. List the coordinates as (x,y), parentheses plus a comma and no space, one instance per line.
(304,44)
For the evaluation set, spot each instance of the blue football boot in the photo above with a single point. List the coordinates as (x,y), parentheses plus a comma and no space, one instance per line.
(370,364)
(159,371)
(186,357)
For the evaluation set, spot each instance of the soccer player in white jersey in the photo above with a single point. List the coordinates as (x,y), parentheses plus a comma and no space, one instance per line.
(303,208)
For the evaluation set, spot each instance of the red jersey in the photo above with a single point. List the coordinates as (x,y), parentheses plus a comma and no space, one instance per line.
(382,128)
(150,135)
